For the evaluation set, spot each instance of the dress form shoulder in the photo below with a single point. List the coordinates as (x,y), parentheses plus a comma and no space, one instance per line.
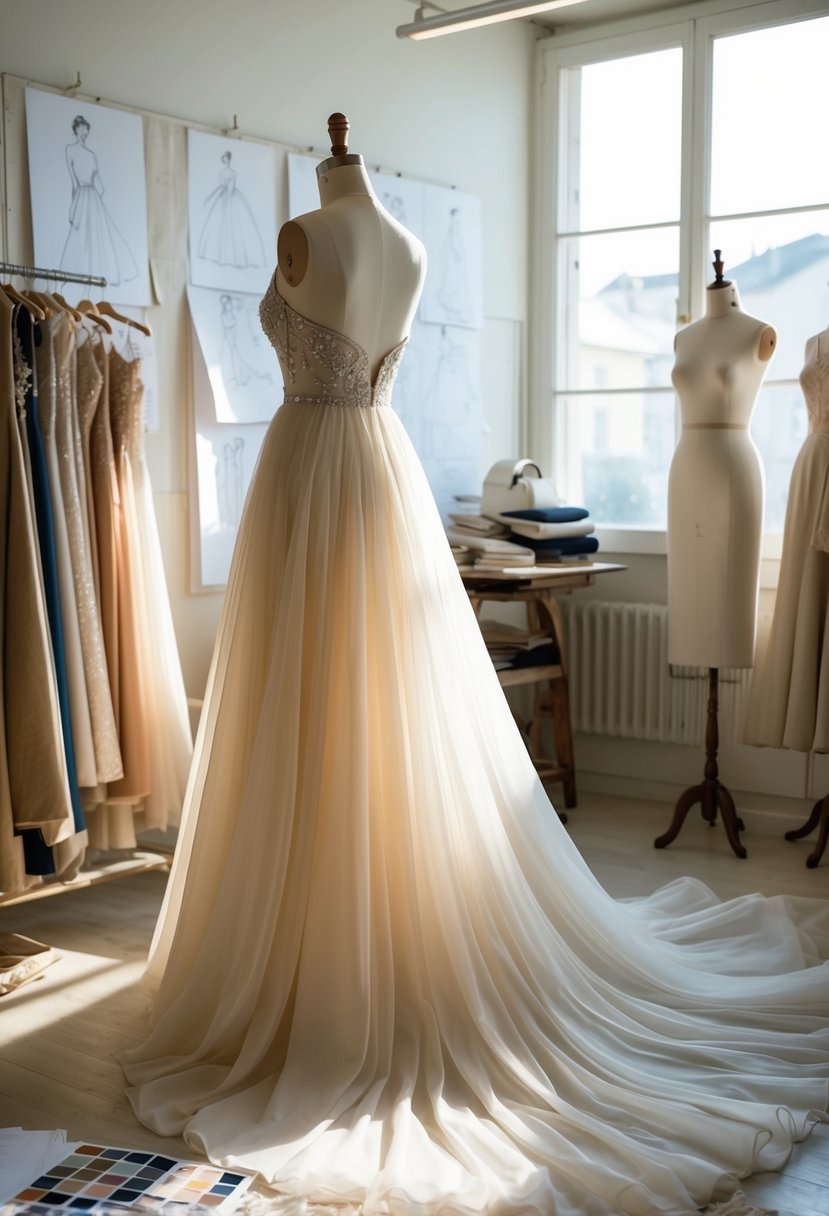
(350,266)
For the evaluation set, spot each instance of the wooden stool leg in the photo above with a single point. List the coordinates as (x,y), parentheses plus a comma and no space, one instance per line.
(819,818)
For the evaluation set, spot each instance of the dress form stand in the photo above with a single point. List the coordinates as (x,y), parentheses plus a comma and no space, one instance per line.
(710,793)
(819,818)
(715,508)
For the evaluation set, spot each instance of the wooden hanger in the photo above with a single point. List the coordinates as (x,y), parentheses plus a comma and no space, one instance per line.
(106,308)
(90,309)
(33,309)
(58,302)
(42,301)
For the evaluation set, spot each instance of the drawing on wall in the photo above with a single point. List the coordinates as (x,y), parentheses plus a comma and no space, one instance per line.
(452,294)
(224,460)
(88,191)
(231,185)
(242,370)
(303,193)
(402,197)
(438,397)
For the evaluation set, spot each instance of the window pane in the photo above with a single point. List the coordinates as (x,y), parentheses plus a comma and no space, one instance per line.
(621,335)
(781,267)
(626,443)
(771,96)
(626,162)
(778,426)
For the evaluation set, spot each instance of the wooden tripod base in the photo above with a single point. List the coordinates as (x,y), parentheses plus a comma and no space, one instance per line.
(819,815)
(711,794)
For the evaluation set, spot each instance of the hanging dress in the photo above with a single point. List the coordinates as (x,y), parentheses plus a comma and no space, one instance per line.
(789,698)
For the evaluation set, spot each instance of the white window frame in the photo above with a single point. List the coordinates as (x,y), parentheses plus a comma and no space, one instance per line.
(693,28)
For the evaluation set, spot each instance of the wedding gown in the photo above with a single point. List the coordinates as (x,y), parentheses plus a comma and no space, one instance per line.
(385,977)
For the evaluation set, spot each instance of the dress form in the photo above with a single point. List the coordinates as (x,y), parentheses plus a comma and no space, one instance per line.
(715,515)
(351,266)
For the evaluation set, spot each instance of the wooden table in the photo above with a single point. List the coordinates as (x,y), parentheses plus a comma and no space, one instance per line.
(538,588)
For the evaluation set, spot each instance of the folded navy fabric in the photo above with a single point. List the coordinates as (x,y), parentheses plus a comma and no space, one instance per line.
(540,656)
(551,515)
(566,546)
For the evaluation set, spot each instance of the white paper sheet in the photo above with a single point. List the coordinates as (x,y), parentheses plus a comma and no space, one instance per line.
(88,190)
(25,1155)
(223,461)
(244,375)
(303,194)
(231,187)
(453,293)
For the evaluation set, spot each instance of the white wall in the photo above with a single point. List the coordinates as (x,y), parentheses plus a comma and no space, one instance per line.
(454,110)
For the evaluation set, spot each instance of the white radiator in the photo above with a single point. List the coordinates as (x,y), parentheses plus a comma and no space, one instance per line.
(621,685)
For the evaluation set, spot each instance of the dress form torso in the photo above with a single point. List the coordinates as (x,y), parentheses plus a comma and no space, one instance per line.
(715,491)
(364,271)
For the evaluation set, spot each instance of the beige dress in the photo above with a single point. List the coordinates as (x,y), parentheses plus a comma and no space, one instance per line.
(789,702)
(133,644)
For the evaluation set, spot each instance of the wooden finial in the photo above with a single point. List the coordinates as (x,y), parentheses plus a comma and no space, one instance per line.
(718,266)
(338,134)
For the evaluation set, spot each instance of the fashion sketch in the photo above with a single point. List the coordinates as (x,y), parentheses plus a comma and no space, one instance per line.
(237,369)
(454,292)
(93,244)
(229,235)
(230,481)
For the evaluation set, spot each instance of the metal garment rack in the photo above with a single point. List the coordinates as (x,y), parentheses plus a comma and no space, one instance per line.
(63,276)
(141,859)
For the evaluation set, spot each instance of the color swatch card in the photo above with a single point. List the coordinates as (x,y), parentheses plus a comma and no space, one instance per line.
(91,1178)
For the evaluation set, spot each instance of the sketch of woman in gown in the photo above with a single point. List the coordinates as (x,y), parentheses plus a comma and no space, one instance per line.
(239,370)
(230,480)
(454,294)
(230,236)
(94,245)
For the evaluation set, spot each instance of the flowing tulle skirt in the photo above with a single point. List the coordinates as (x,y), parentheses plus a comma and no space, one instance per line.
(384,974)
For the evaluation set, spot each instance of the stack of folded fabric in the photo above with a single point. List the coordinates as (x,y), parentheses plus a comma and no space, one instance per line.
(552,533)
(511,647)
(487,542)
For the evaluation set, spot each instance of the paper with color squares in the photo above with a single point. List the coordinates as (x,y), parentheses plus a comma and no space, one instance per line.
(92,1178)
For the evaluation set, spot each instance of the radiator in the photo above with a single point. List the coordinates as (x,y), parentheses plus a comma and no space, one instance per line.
(621,684)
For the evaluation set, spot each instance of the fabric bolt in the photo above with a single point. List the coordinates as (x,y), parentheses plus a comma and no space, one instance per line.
(383,974)
(789,698)
(566,546)
(548,515)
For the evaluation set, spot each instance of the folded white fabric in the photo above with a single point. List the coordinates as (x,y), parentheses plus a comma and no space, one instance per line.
(540,531)
(503,550)
(479,524)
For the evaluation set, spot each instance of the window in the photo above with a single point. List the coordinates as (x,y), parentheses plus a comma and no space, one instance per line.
(665,143)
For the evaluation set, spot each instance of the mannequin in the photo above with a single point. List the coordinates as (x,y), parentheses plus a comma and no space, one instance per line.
(384,978)
(789,698)
(351,266)
(715,490)
(715,518)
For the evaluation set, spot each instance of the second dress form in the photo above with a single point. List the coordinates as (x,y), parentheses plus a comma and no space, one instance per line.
(715,490)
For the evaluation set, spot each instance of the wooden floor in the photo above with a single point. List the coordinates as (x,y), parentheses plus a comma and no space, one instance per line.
(60,1036)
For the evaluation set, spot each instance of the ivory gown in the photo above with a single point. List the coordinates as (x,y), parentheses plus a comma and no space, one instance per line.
(384,974)
(789,702)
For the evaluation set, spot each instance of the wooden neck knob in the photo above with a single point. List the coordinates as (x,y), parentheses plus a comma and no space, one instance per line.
(338,134)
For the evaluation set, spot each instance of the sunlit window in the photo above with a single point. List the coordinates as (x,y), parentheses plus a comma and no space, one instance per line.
(708,139)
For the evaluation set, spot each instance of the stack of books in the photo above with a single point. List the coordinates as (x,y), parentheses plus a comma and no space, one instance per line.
(511,647)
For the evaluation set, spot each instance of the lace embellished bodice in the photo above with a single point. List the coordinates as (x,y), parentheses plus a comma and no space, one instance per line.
(814,381)
(320,365)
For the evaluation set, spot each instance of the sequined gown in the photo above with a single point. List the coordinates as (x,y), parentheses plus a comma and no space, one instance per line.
(789,701)
(384,975)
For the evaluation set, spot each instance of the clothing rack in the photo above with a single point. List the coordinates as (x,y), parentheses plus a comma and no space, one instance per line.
(141,860)
(64,276)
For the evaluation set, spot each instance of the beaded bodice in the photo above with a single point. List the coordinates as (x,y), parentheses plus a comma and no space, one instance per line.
(320,365)
(814,381)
